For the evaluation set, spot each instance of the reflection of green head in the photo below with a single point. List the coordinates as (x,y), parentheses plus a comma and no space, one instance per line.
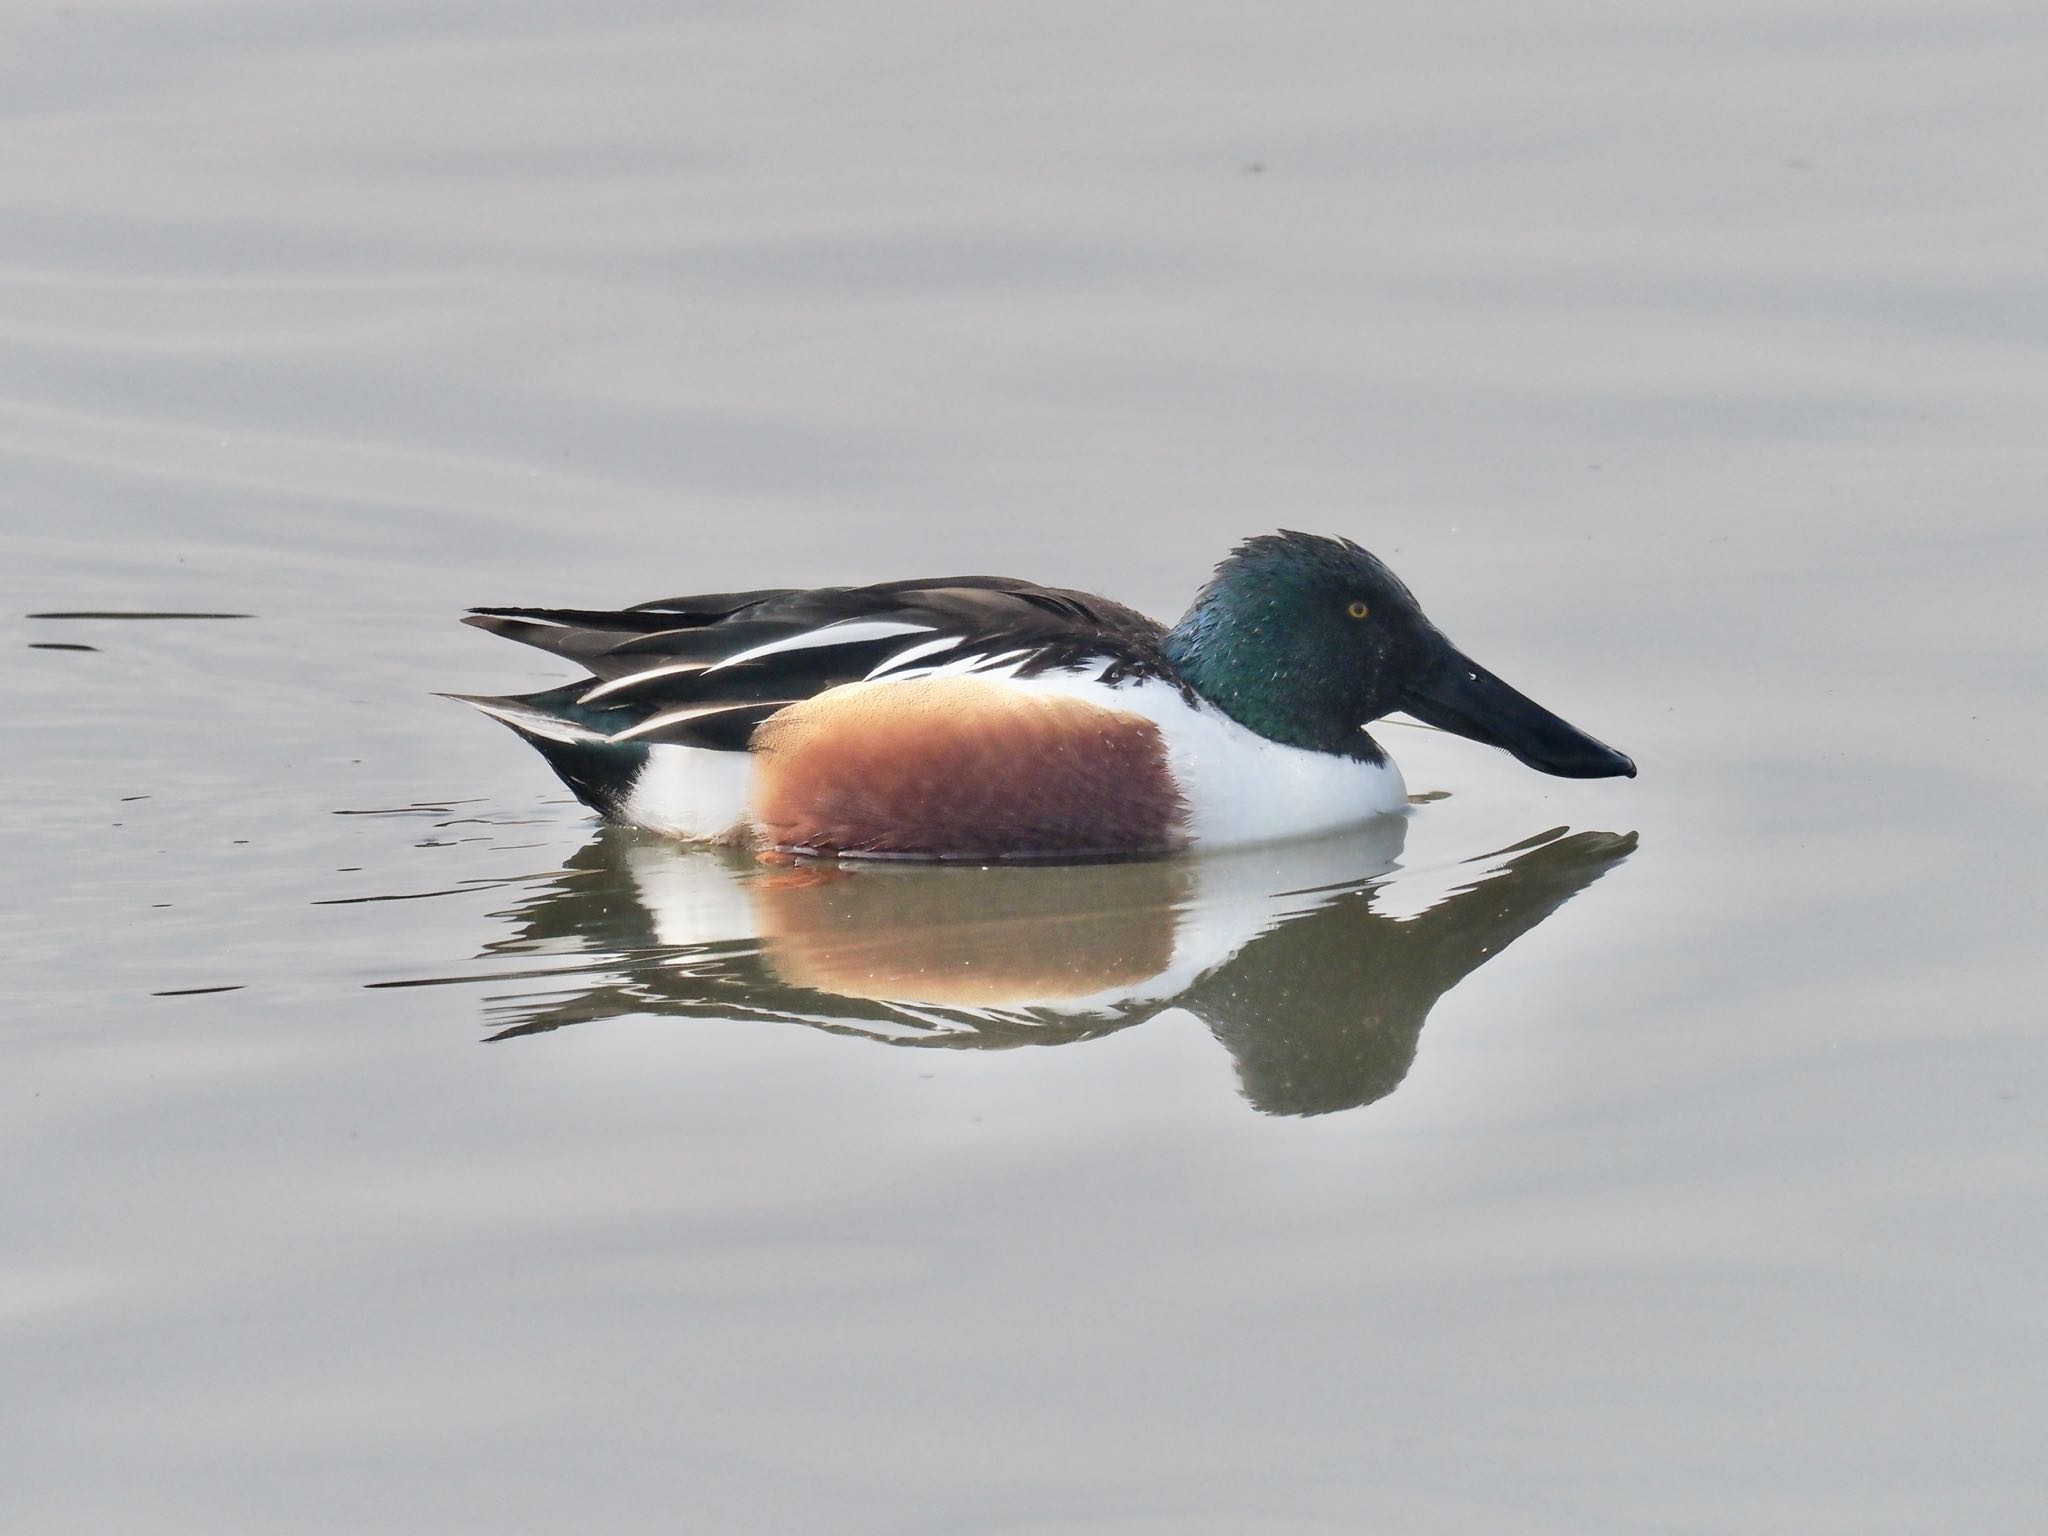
(1324,1013)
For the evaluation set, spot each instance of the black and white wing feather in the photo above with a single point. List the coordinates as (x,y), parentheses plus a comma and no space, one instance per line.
(706,670)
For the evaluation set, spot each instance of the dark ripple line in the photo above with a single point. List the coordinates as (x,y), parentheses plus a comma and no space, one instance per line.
(356,901)
(471,886)
(492,976)
(109,613)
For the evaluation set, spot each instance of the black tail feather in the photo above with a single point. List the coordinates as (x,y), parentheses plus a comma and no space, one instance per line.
(599,772)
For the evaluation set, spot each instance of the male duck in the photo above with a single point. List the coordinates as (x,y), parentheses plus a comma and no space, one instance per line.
(978,717)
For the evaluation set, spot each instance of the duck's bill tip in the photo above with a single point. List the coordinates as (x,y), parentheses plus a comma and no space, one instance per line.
(1598,761)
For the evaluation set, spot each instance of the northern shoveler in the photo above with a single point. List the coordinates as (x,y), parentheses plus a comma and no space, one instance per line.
(979,717)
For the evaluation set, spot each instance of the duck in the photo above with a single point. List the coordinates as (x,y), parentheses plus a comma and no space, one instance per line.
(990,719)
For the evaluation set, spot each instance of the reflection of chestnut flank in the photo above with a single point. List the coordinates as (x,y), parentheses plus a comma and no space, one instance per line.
(962,764)
(1017,936)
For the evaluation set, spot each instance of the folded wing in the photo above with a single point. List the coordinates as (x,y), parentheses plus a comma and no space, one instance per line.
(707,670)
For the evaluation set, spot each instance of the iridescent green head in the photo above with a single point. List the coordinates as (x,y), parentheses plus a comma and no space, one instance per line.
(1307,640)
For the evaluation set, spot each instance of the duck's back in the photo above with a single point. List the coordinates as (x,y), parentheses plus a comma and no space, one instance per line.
(902,718)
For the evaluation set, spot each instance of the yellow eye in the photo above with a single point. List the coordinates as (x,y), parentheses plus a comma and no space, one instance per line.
(1358,610)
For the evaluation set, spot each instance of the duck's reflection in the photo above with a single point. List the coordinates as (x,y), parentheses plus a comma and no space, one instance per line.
(1314,964)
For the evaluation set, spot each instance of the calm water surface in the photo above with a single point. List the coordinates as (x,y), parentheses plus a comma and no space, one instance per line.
(388,1147)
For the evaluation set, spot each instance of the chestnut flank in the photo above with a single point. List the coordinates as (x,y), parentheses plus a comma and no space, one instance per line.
(963,768)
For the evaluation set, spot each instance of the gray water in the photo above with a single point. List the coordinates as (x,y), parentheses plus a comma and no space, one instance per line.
(388,1147)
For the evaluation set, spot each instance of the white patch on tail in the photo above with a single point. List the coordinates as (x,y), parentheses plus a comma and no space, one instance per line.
(693,793)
